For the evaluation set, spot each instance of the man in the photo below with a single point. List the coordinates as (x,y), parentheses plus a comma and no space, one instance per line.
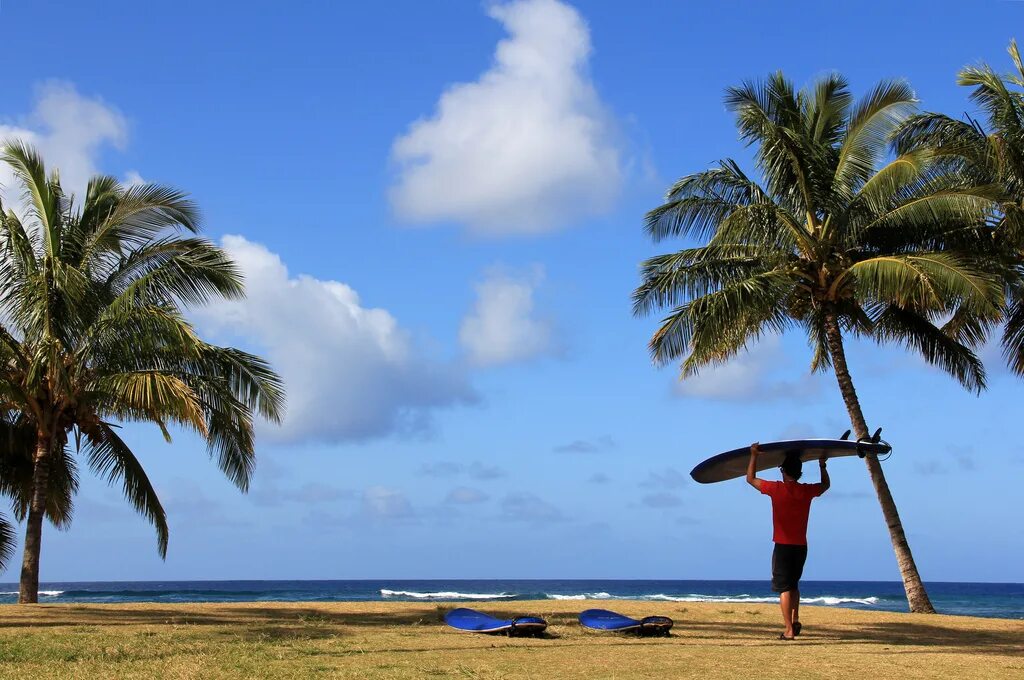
(791,505)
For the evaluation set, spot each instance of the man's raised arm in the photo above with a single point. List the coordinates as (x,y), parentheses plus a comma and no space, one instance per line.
(752,479)
(825,481)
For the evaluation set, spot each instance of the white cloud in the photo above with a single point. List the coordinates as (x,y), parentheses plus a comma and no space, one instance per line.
(383,503)
(69,130)
(132,178)
(351,372)
(528,147)
(753,375)
(502,327)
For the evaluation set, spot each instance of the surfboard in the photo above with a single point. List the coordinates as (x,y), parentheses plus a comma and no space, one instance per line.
(733,464)
(603,619)
(472,621)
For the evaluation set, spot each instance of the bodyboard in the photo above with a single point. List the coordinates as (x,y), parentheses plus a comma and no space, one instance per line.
(472,621)
(603,619)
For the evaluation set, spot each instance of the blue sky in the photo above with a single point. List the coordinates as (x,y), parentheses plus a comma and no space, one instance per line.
(438,208)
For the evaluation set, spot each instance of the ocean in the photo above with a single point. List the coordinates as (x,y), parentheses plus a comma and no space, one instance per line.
(999,600)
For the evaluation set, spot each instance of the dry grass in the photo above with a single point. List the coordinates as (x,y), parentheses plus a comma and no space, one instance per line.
(408,640)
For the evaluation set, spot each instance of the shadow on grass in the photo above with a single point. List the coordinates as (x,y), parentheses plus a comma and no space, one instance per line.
(886,634)
(267,617)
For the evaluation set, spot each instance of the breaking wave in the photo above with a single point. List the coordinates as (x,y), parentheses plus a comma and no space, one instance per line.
(583,596)
(444,595)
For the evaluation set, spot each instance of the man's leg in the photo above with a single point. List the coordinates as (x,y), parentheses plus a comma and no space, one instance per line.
(786,604)
(795,605)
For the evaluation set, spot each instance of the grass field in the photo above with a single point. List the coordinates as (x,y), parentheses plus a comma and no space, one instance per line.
(408,640)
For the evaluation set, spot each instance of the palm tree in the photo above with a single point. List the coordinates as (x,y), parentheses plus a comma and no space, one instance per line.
(830,243)
(992,153)
(17,444)
(92,333)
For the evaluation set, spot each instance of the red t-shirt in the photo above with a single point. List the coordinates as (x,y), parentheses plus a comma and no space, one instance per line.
(791,504)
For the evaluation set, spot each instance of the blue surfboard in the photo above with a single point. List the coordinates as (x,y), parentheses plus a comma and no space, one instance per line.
(602,619)
(473,621)
(733,464)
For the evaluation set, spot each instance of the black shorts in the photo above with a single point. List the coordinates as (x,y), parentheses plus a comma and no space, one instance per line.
(787,566)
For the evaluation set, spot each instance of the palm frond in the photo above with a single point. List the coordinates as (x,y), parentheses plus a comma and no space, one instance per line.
(904,326)
(937,282)
(870,127)
(110,457)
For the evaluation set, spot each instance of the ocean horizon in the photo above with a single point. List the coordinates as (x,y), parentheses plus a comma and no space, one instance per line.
(995,600)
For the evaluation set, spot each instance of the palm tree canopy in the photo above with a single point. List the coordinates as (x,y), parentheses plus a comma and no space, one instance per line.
(92,333)
(835,225)
(991,153)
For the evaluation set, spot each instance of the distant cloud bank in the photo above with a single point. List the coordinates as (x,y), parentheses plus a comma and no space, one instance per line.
(528,147)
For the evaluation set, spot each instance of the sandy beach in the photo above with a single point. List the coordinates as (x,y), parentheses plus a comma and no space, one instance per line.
(409,640)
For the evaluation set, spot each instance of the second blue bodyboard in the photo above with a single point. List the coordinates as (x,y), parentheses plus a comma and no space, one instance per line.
(603,619)
(473,621)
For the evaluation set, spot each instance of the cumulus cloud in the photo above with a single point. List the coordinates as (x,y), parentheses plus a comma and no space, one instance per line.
(351,372)
(502,326)
(69,130)
(528,147)
(753,375)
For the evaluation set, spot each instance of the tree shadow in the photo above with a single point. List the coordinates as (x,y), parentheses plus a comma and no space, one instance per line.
(886,634)
(54,616)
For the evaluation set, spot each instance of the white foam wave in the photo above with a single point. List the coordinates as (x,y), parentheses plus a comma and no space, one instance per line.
(825,599)
(444,595)
(737,599)
(42,593)
(583,596)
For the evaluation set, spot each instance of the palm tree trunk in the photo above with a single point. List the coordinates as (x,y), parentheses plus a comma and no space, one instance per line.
(917,596)
(28,592)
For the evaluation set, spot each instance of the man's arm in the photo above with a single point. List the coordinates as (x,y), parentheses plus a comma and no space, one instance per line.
(825,481)
(752,479)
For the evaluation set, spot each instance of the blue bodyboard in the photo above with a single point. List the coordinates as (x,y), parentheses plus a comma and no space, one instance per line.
(473,621)
(602,619)
(733,464)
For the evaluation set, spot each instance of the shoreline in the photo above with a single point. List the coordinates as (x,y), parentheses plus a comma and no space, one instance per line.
(988,600)
(410,640)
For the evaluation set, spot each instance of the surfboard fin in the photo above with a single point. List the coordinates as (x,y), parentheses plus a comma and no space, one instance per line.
(876,436)
(846,435)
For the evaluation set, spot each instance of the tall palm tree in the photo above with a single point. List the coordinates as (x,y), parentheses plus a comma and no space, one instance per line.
(17,444)
(829,243)
(92,334)
(992,153)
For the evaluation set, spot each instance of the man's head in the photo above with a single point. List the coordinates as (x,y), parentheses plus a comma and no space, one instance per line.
(792,467)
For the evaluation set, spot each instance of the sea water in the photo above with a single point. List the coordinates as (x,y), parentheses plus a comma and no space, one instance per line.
(1001,600)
